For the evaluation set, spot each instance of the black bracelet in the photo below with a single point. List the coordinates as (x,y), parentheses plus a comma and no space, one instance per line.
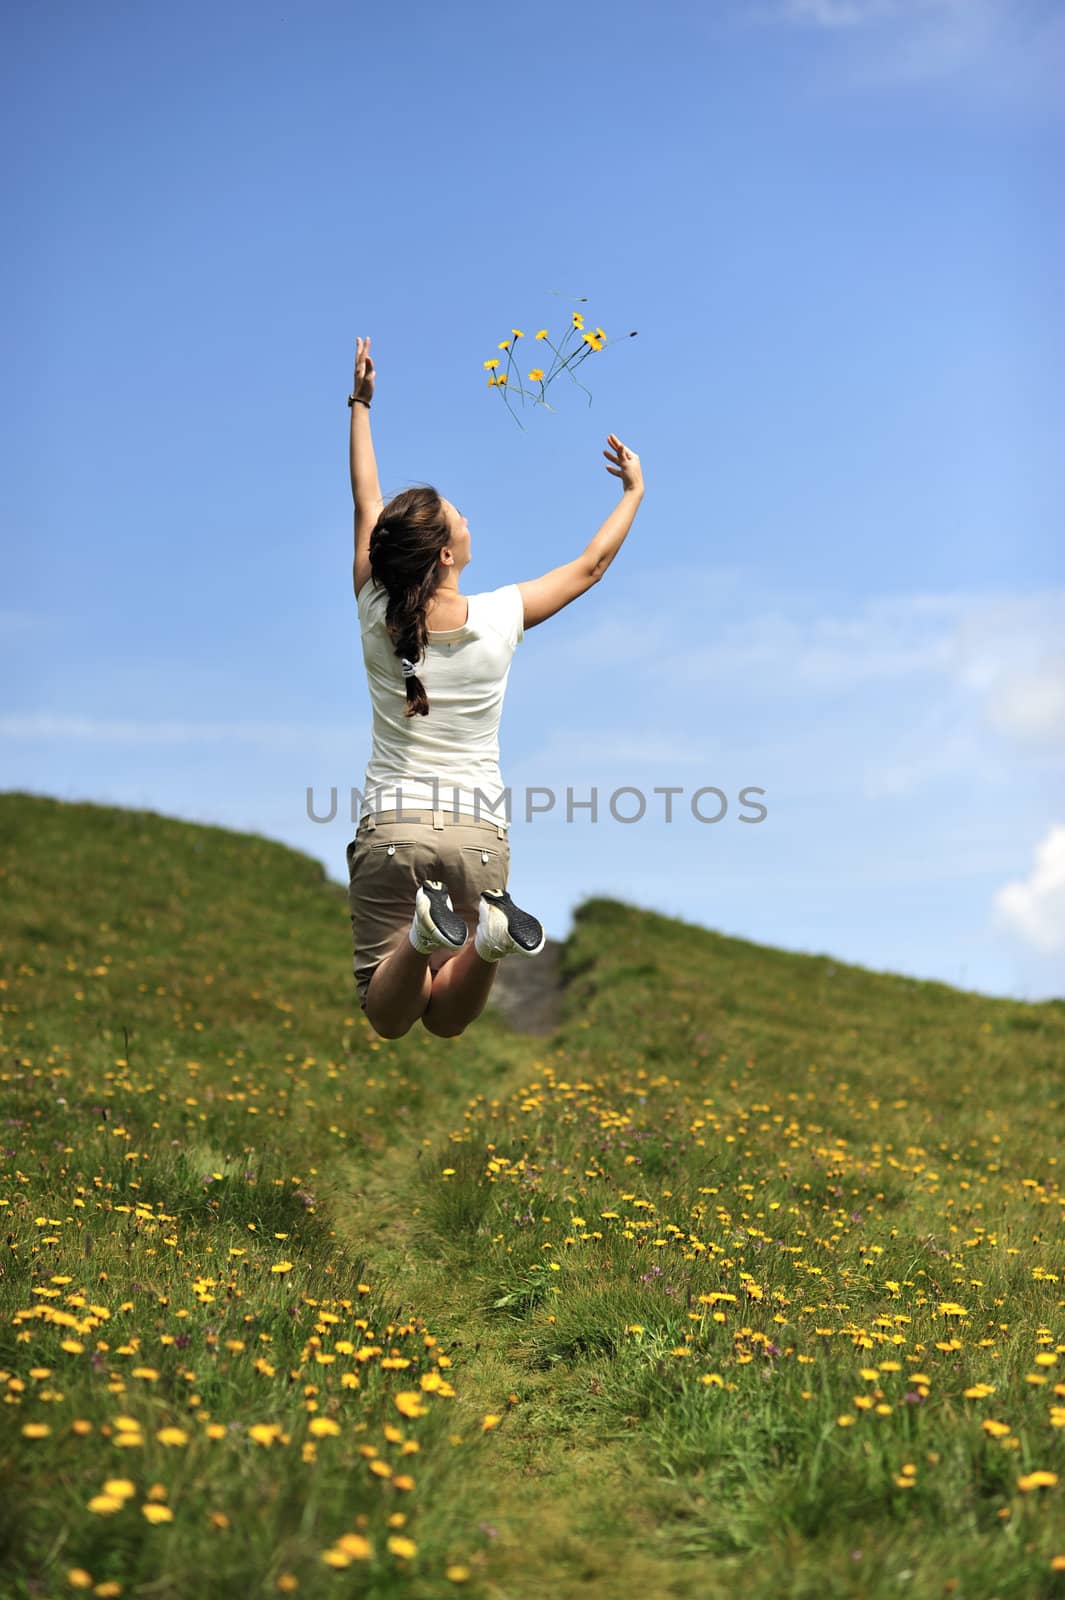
(354,400)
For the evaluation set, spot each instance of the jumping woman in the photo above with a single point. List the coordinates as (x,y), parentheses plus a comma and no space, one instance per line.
(430,856)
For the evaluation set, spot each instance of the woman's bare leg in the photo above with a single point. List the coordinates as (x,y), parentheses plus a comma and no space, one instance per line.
(399,990)
(460,992)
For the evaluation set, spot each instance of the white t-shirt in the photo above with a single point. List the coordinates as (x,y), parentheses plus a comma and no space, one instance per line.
(464,672)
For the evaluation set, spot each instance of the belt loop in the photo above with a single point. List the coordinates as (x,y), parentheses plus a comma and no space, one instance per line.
(501,832)
(371,822)
(438,819)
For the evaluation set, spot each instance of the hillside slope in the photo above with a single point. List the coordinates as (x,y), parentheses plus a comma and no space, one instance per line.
(753,1250)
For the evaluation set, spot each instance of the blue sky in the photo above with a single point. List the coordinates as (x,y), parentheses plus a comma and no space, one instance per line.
(837,228)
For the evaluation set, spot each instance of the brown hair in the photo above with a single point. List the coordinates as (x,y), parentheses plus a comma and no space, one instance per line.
(404,548)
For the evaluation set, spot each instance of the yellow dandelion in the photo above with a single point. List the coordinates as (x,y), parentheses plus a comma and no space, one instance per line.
(537,374)
(355,1544)
(173,1436)
(1037,1480)
(320,1426)
(457,1573)
(542,334)
(35,1430)
(154,1512)
(78,1578)
(503,345)
(105,1505)
(400,1546)
(492,383)
(409,1403)
(282,1266)
(502,379)
(108,1591)
(120,1488)
(263,1432)
(287,1582)
(491,365)
(578,320)
(490,1421)
(517,333)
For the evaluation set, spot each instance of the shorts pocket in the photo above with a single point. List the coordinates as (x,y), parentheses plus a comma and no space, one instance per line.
(483,854)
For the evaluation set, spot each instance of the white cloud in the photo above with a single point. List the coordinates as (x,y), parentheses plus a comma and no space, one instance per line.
(1013,49)
(1030,705)
(851,13)
(1034,907)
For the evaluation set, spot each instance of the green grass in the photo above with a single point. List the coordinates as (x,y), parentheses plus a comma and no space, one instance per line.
(749,1277)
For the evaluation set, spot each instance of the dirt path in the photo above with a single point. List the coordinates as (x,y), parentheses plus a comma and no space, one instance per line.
(527,991)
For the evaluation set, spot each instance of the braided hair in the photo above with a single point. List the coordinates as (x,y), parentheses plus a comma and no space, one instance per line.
(404,548)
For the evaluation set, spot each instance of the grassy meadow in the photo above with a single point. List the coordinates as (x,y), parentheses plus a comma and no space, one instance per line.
(748,1279)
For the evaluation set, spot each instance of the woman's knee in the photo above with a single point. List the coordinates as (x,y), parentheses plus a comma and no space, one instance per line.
(443,1030)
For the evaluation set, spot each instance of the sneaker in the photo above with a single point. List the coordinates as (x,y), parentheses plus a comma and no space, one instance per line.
(503,927)
(436,924)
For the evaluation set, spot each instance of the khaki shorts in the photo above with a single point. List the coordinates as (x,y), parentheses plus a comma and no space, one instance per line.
(387,860)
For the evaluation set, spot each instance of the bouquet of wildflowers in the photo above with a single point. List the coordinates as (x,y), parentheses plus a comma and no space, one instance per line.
(565,357)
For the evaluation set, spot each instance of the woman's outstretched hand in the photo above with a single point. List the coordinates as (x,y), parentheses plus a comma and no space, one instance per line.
(362,388)
(626,464)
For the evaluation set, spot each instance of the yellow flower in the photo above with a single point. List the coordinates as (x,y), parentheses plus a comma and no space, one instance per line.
(492,382)
(1037,1480)
(457,1573)
(542,334)
(282,1266)
(35,1430)
(409,1402)
(264,1432)
(490,1421)
(336,1558)
(119,1488)
(505,345)
(322,1425)
(578,320)
(517,333)
(105,1505)
(537,374)
(78,1578)
(489,365)
(501,380)
(172,1436)
(402,1547)
(157,1513)
(355,1544)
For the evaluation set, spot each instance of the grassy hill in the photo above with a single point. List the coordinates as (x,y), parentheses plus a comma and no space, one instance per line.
(750,1275)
